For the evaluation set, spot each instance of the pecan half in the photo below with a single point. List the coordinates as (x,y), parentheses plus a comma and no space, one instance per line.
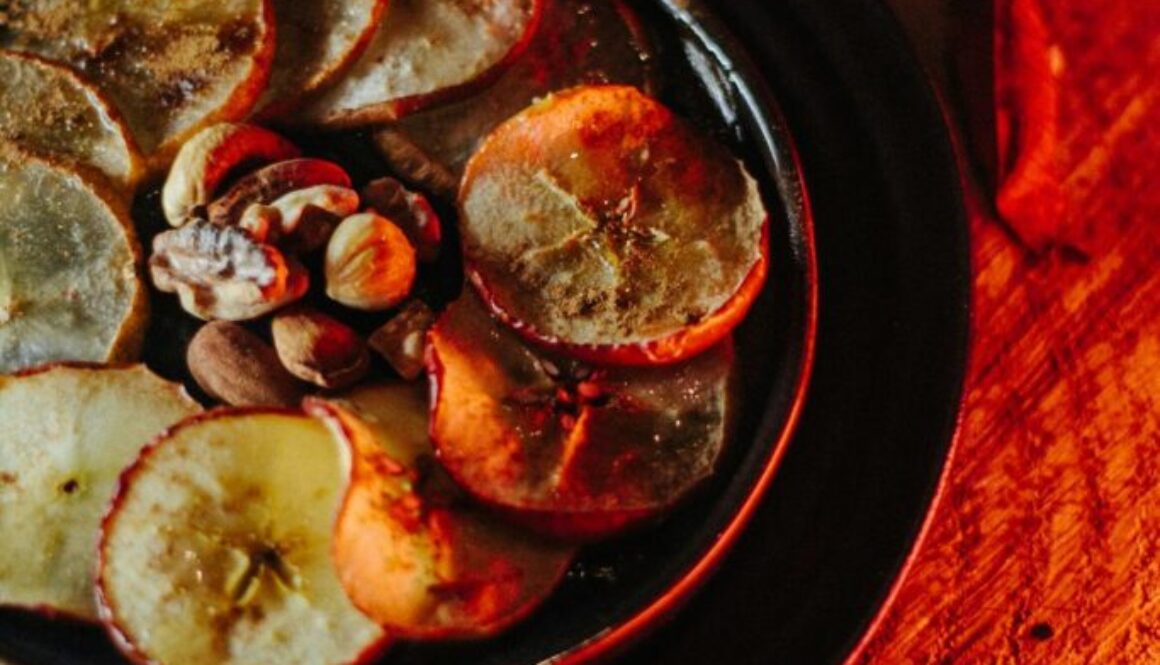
(222,272)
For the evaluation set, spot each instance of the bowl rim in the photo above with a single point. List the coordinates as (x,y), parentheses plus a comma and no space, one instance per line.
(782,164)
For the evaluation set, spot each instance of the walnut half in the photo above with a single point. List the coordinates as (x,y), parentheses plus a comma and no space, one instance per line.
(222,272)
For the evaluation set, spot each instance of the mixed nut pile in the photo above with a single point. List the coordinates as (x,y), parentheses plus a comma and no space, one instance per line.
(238,258)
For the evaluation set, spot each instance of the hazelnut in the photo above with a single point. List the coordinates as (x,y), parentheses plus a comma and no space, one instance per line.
(370,264)
(411,211)
(319,349)
(402,341)
(222,272)
(239,368)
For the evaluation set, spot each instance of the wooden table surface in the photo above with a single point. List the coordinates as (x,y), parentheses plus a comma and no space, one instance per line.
(1044,545)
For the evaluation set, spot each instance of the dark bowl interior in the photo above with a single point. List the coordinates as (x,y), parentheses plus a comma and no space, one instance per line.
(707,78)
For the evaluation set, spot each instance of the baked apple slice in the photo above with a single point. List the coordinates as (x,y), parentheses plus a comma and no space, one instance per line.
(69,431)
(49,109)
(427,52)
(597,222)
(410,551)
(69,285)
(571,450)
(317,42)
(578,42)
(171,66)
(216,548)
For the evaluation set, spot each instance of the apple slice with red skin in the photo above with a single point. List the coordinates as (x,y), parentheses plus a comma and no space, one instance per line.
(216,547)
(69,431)
(579,41)
(317,42)
(411,553)
(574,451)
(598,223)
(427,52)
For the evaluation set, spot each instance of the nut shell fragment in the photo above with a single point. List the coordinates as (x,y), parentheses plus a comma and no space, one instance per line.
(402,341)
(411,211)
(221,272)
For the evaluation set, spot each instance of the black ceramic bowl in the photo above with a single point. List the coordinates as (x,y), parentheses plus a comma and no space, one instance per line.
(884,309)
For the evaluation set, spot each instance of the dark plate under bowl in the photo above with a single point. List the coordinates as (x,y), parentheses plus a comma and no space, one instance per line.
(874,243)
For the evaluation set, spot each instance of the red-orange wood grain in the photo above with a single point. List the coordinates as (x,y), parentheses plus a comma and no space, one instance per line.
(1045,544)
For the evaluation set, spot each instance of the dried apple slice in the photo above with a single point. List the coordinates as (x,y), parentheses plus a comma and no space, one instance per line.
(317,42)
(597,222)
(68,434)
(410,552)
(427,52)
(571,450)
(48,109)
(216,549)
(69,288)
(578,42)
(171,66)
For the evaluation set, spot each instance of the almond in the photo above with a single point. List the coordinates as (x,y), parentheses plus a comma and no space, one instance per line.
(319,349)
(234,365)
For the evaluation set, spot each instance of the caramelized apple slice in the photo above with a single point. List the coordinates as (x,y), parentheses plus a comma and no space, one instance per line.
(317,42)
(597,222)
(426,52)
(48,109)
(579,41)
(171,66)
(216,549)
(410,552)
(571,450)
(68,434)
